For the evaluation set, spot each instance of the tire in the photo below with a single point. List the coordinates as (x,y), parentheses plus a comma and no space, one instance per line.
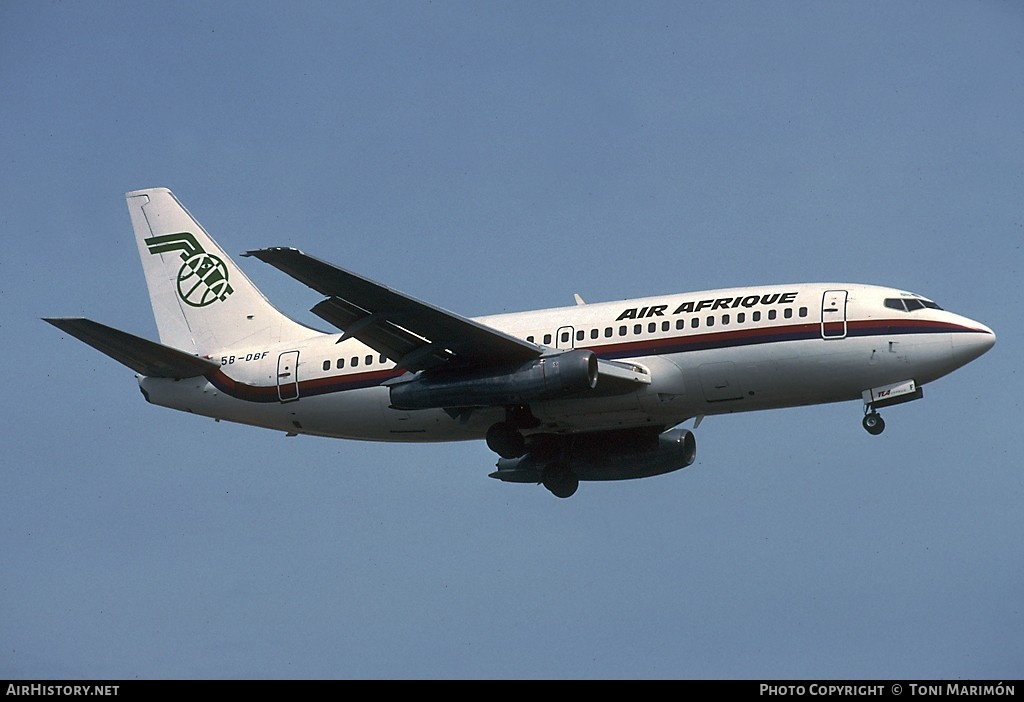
(560,481)
(505,440)
(873,423)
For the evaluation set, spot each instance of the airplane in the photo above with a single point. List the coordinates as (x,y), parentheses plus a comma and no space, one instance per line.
(588,392)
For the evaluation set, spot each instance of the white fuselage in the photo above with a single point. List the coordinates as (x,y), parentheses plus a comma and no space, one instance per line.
(704,353)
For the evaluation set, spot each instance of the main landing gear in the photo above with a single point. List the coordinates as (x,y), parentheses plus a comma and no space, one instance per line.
(873,422)
(548,461)
(506,438)
(560,480)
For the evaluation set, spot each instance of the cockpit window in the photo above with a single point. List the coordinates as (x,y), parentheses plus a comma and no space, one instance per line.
(910,304)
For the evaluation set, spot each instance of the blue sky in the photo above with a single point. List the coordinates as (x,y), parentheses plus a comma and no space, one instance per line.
(491,157)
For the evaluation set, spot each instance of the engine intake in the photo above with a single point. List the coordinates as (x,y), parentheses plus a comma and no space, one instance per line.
(548,378)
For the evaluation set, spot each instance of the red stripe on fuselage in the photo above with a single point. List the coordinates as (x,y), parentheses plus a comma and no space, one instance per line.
(681,343)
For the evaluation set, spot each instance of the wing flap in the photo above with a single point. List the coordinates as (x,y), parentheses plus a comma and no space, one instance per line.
(407,322)
(379,334)
(141,355)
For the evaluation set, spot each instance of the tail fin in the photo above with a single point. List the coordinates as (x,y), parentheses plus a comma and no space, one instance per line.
(202,301)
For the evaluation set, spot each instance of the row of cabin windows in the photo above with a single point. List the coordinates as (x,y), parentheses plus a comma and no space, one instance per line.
(581,335)
(354,362)
(695,323)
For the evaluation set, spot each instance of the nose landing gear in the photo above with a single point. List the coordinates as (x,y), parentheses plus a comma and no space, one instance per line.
(887,396)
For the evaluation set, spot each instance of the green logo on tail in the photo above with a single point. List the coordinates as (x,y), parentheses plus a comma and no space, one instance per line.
(203,277)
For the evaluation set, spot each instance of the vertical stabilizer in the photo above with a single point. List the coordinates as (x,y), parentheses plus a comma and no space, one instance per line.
(202,301)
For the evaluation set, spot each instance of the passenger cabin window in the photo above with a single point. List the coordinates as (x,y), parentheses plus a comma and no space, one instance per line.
(340,363)
(607,331)
(547,339)
(772,314)
(580,334)
(369,360)
(594,333)
(638,328)
(327,365)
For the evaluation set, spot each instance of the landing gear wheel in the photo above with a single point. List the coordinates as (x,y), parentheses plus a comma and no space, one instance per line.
(505,440)
(561,481)
(873,423)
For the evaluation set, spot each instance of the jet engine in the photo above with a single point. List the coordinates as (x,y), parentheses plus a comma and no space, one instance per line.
(545,378)
(558,461)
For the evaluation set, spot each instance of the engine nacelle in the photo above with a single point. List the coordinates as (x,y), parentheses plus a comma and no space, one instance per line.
(605,456)
(547,378)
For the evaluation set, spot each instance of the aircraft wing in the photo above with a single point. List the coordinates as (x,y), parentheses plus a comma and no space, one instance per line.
(141,355)
(414,334)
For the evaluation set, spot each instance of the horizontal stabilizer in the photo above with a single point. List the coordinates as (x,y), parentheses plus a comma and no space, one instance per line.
(141,355)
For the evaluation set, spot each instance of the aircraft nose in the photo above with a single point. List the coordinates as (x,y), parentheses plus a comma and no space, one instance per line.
(971,344)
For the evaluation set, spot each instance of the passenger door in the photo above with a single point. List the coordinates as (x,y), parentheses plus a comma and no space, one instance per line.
(288,376)
(833,314)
